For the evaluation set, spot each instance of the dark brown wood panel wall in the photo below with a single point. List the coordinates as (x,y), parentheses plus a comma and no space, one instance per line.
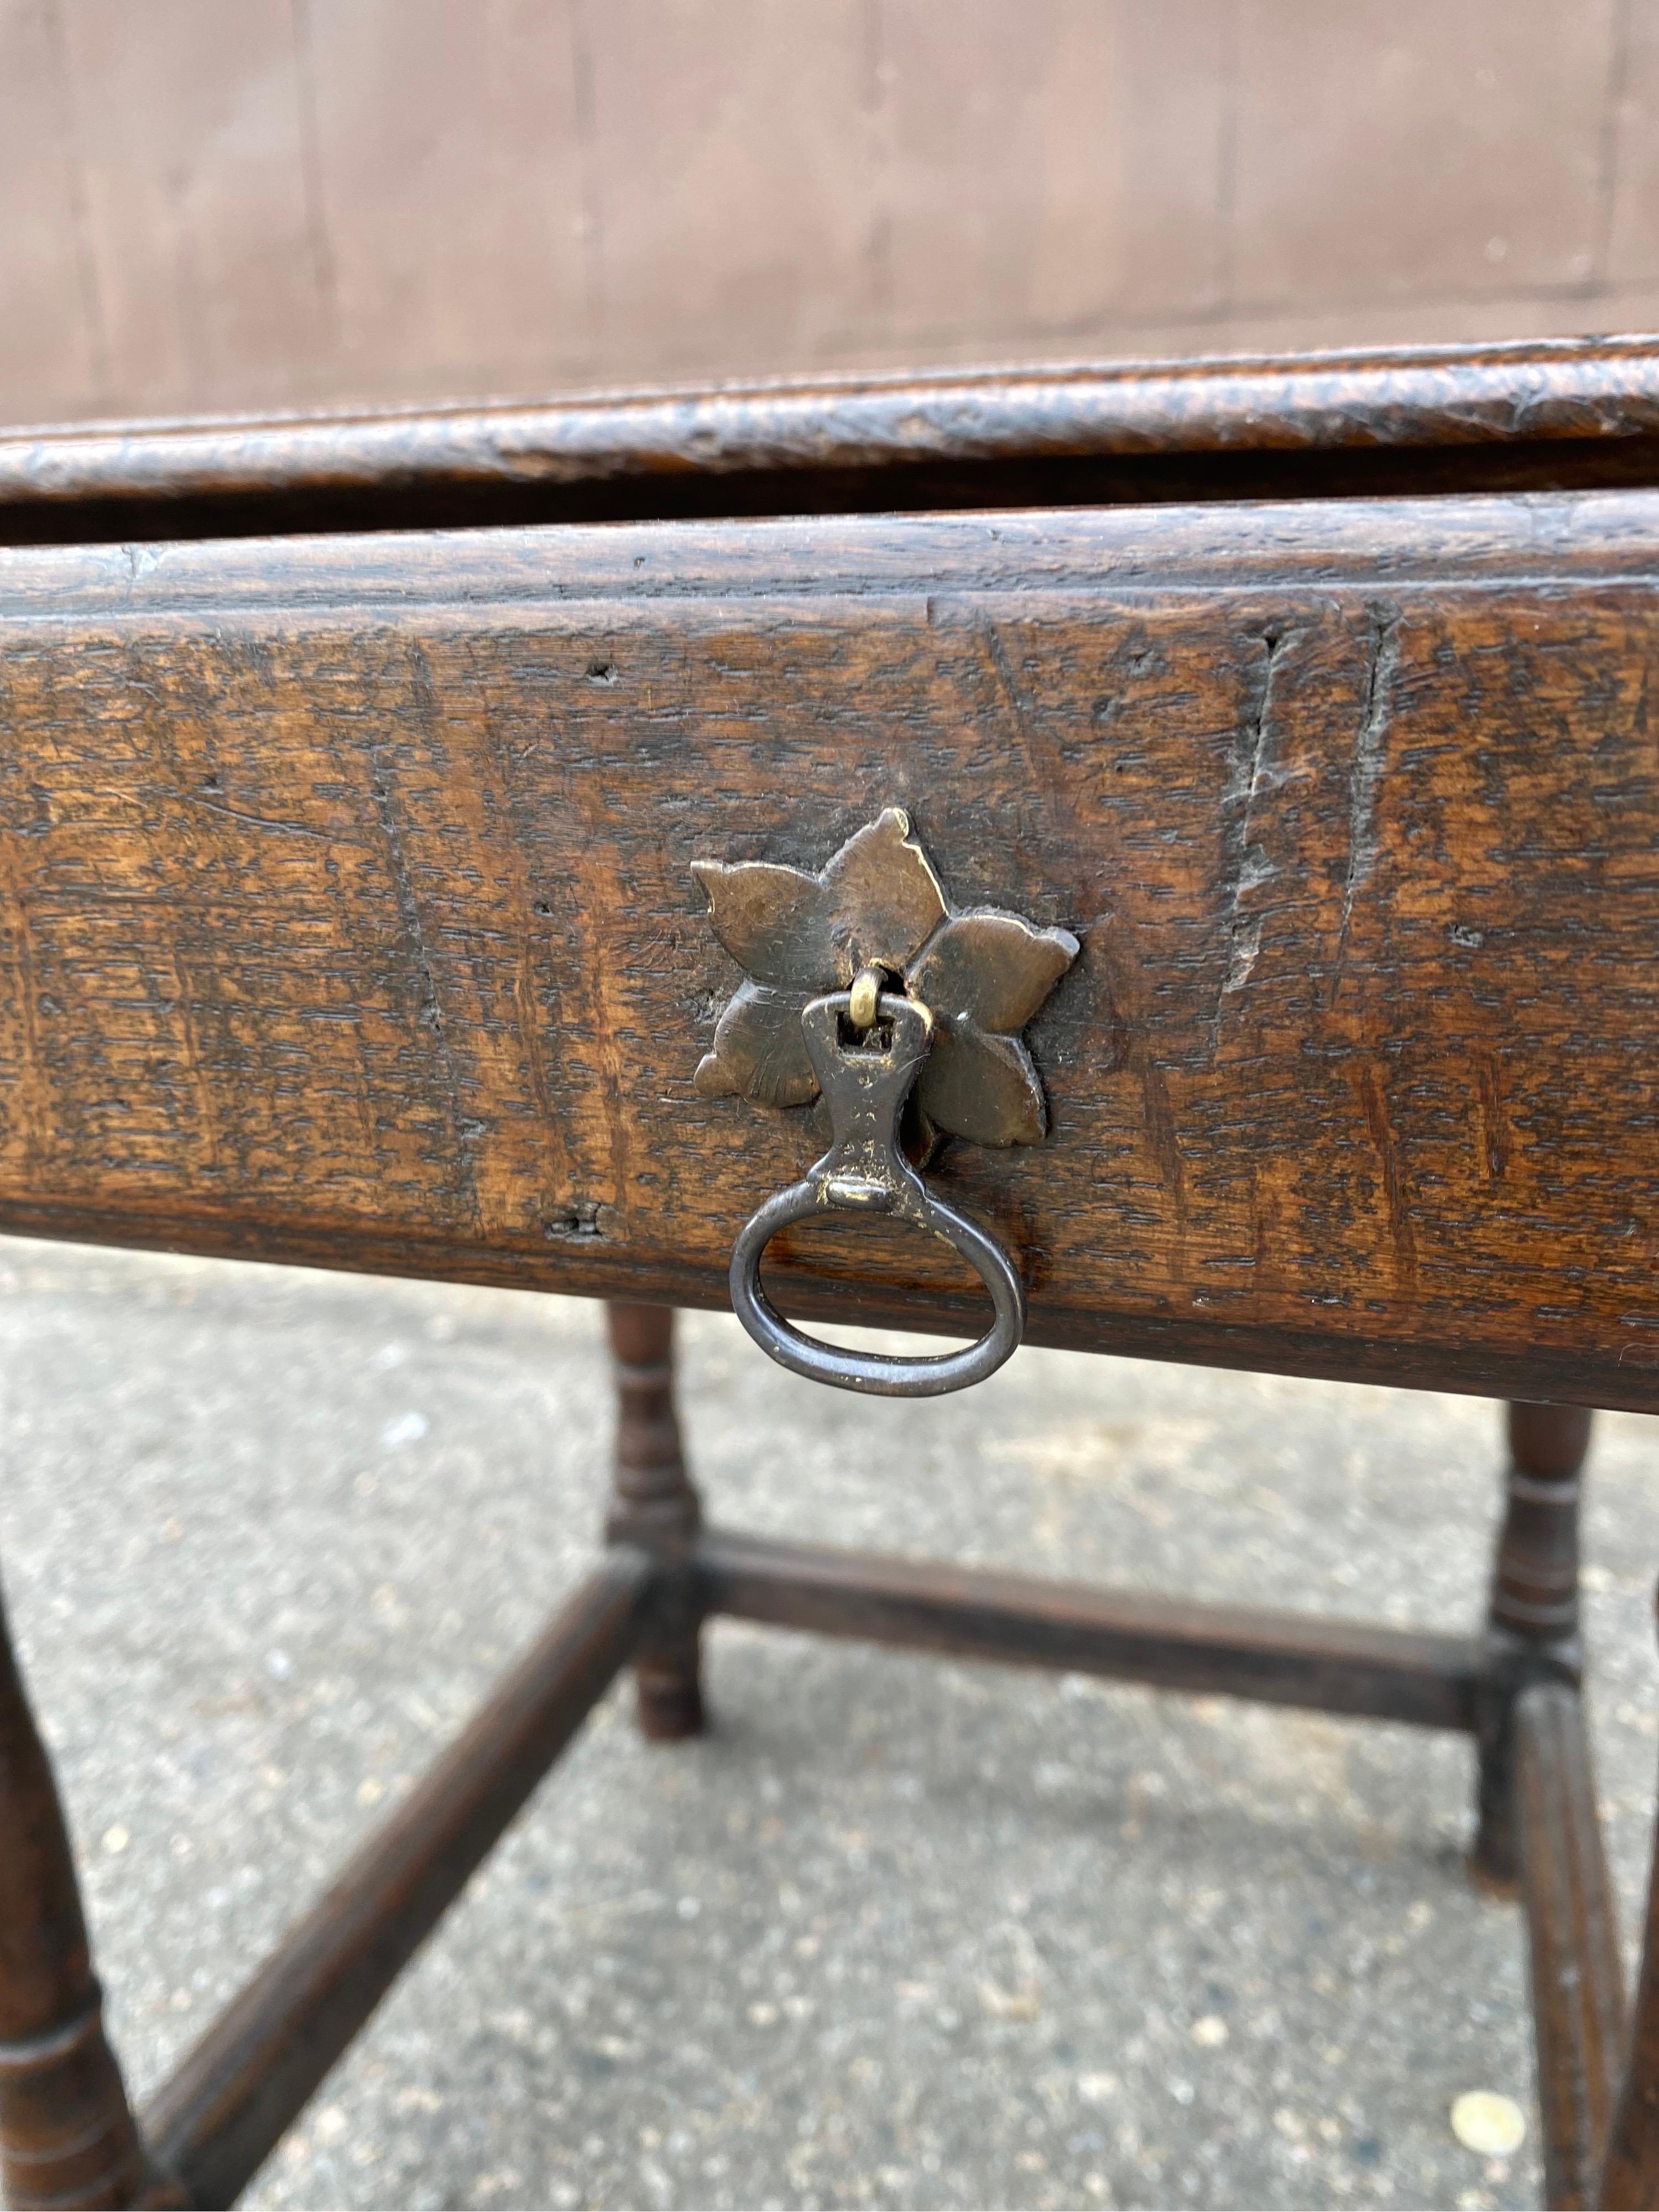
(347,917)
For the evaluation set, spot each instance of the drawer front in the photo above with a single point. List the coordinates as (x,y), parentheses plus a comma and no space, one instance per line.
(346,910)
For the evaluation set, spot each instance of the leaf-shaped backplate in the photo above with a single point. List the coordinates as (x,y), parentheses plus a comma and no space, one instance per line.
(760,1052)
(874,905)
(878,903)
(976,1084)
(992,969)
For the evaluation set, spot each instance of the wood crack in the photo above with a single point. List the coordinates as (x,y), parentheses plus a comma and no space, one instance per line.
(1244,867)
(1366,774)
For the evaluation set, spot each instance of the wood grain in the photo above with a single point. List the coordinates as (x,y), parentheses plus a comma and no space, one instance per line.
(1554,413)
(1572,1935)
(348,913)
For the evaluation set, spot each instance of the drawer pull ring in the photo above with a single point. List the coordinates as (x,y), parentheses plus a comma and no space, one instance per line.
(864,987)
(865,1086)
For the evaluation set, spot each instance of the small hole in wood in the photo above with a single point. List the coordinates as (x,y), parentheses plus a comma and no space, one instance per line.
(602,671)
(576,1222)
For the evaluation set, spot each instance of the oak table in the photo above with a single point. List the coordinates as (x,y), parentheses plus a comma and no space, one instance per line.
(1188,833)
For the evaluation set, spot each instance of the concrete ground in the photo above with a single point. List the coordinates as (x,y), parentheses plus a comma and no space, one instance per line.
(894,1933)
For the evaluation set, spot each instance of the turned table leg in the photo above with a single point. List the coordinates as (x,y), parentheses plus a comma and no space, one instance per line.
(67,2136)
(1630,2175)
(1532,1624)
(653,1505)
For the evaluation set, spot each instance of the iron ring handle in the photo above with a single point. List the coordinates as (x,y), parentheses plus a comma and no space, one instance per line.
(877,1374)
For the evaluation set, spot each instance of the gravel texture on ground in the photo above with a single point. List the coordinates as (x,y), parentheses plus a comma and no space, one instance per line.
(895,1932)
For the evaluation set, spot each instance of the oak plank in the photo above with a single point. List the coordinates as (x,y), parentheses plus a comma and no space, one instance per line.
(1555,414)
(345,911)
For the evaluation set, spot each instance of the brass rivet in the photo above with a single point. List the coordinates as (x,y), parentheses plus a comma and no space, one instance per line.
(863,1000)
